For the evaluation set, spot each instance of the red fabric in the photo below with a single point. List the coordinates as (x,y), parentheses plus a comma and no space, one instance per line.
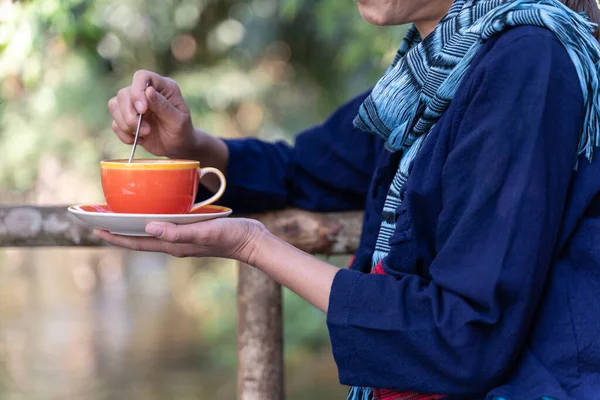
(351,261)
(386,394)
(378,269)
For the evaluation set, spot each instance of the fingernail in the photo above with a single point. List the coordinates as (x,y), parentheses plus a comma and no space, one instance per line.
(154,230)
(152,95)
(99,232)
(139,106)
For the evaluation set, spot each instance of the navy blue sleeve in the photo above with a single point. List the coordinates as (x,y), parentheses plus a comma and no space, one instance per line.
(504,186)
(328,169)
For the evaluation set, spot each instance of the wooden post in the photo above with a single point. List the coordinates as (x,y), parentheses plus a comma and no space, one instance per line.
(260,336)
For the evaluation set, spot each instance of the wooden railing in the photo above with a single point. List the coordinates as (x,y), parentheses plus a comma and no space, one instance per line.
(260,341)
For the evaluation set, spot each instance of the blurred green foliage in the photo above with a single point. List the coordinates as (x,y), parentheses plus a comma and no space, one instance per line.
(250,67)
(264,68)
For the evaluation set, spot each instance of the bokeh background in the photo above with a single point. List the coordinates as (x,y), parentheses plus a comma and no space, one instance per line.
(111,324)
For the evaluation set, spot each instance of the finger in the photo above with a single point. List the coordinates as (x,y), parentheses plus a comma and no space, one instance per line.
(132,243)
(115,111)
(144,129)
(173,233)
(123,136)
(145,244)
(128,112)
(162,107)
(138,86)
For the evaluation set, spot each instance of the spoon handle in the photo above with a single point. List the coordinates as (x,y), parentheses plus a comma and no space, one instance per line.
(137,133)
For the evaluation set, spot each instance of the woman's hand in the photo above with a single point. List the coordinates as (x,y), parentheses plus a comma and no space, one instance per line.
(234,238)
(167,128)
(245,240)
(167,125)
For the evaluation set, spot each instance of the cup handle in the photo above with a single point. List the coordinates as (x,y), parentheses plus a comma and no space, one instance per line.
(216,196)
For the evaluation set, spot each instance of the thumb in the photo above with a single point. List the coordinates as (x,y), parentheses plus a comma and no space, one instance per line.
(170,232)
(160,106)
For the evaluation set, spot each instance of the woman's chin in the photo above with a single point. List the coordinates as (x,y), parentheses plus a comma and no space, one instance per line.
(372,16)
(376,17)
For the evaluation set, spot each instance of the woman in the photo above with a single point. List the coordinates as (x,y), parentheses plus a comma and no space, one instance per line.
(478,266)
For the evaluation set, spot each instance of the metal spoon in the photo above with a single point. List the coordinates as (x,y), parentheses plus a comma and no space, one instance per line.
(137,133)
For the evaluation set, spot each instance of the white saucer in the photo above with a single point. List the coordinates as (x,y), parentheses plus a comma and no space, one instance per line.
(100,216)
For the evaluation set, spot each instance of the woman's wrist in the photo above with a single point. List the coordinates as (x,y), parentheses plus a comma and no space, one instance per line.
(211,151)
(254,243)
(300,272)
(204,147)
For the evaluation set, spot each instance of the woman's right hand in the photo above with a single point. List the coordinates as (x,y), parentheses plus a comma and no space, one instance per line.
(167,128)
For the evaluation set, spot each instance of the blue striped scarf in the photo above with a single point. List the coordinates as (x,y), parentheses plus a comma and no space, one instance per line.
(418,87)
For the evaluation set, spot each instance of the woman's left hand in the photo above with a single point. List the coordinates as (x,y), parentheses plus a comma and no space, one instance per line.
(233,238)
(241,239)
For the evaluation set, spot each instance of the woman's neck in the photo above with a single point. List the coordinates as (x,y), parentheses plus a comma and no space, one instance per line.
(425,28)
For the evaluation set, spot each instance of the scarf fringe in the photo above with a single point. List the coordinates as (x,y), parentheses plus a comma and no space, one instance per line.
(360,393)
(574,31)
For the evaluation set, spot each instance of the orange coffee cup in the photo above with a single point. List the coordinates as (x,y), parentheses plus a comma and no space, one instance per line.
(155,186)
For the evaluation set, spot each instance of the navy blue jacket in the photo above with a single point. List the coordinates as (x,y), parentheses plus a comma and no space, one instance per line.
(494,273)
